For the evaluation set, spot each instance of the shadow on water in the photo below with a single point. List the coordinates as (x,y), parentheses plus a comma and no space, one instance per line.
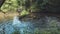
(29,27)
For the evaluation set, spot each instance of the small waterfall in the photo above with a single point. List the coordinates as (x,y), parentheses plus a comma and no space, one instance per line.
(16,21)
(19,25)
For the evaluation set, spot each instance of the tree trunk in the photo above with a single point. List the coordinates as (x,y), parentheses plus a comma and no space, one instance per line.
(1,2)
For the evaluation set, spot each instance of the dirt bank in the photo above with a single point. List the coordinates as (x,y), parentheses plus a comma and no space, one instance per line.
(7,15)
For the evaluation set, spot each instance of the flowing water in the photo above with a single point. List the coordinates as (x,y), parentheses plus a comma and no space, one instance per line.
(28,26)
(16,24)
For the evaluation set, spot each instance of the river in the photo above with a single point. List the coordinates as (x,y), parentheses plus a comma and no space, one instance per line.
(25,27)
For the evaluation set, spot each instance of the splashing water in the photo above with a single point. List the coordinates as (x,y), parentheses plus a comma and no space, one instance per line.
(10,26)
(19,25)
(16,21)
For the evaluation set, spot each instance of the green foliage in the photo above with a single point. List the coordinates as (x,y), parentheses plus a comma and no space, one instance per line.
(34,5)
(37,31)
(9,5)
(16,32)
(24,12)
(43,31)
(53,23)
(52,29)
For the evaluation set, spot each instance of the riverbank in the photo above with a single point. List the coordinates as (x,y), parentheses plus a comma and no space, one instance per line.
(31,16)
(7,15)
